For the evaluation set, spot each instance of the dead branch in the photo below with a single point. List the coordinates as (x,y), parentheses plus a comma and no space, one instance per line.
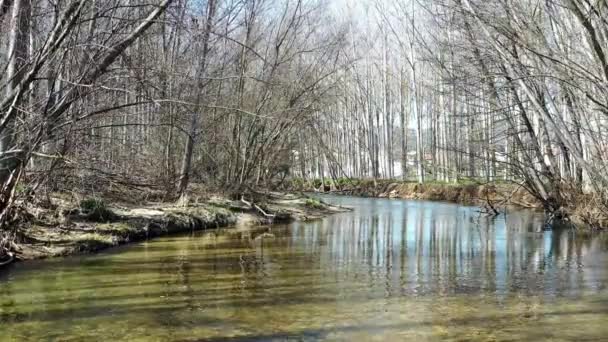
(256,207)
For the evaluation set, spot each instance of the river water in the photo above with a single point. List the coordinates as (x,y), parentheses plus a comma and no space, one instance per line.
(391,270)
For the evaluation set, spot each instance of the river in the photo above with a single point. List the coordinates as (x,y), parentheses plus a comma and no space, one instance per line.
(391,270)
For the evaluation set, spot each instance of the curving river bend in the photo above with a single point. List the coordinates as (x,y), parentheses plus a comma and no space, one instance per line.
(390,270)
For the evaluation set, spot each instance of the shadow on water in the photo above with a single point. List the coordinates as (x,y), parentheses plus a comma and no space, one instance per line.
(389,268)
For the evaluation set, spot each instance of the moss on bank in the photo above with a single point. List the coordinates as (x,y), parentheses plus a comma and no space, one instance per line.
(314,203)
(78,231)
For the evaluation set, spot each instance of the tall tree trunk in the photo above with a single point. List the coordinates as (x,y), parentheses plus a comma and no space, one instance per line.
(404,126)
(191,140)
(18,55)
(414,96)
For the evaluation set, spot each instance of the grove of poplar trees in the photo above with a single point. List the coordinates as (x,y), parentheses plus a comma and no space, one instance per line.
(493,90)
(160,94)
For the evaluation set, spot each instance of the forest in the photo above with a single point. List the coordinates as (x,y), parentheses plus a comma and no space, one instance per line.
(150,98)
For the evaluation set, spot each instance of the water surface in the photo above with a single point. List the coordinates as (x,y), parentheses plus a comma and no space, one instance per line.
(390,270)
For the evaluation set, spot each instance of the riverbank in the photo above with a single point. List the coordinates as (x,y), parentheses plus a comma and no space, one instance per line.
(391,270)
(464,193)
(582,210)
(91,225)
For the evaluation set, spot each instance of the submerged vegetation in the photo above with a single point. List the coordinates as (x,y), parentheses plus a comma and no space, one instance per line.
(125,120)
(168,101)
(388,271)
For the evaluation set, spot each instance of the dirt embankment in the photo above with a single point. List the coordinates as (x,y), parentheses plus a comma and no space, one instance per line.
(467,194)
(580,210)
(496,194)
(61,232)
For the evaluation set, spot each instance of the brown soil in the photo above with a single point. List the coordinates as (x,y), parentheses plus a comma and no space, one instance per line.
(498,194)
(49,234)
(582,210)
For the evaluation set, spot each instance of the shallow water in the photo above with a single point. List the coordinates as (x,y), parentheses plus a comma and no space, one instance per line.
(390,270)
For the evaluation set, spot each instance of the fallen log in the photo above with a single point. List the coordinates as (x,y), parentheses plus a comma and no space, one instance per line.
(256,207)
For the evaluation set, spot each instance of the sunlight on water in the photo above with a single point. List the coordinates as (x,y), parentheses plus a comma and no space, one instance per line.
(390,270)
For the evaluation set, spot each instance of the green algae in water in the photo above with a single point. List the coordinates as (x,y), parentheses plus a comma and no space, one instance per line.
(390,270)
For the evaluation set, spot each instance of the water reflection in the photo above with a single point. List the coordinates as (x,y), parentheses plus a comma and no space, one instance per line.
(390,270)
(415,247)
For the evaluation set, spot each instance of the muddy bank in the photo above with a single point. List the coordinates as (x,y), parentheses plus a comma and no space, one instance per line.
(580,211)
(475,194)
(499,194)
(78,230)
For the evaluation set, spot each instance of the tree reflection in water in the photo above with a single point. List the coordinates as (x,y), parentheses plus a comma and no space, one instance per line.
(390,270)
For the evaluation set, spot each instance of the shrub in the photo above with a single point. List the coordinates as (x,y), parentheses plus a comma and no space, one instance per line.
(95,209)
(314,203)
(298,183)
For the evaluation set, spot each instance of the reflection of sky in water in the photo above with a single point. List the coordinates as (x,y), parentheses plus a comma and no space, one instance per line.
(391,270)
(428,247)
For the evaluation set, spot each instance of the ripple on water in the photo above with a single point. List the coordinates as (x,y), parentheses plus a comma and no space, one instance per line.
(390,270)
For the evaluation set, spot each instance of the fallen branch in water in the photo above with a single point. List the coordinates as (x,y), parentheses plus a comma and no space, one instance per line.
(256,207)
(263,212)
(490,208)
